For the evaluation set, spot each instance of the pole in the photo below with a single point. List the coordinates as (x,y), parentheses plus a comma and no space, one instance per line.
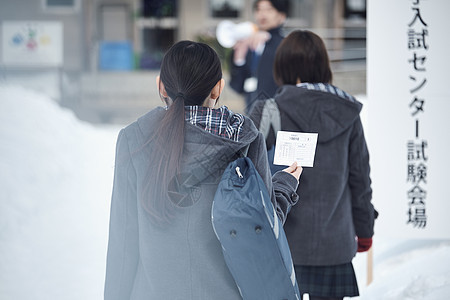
(370,266)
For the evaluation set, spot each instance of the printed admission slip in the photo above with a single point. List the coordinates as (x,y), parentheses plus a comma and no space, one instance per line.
(295,146)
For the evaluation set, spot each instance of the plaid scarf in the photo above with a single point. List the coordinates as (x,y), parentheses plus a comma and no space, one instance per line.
(219,121)
(328,88)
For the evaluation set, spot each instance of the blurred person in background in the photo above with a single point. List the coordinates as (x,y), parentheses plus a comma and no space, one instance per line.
(335,216)
(252,58)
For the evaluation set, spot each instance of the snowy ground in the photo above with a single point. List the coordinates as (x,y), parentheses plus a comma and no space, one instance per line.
(55,186)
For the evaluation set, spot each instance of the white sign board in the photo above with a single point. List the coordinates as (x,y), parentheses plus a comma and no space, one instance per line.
(409,99)
(35,44)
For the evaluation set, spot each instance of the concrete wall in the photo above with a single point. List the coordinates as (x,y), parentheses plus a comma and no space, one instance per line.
(118,97)
(115,98)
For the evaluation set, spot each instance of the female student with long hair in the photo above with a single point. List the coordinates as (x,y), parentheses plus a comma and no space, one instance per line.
(168,165)
(336,217)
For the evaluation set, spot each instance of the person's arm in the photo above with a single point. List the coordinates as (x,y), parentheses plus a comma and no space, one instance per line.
(123,252)
(238,73)
(282,186)
(285,189)
(359,181)
(240,64)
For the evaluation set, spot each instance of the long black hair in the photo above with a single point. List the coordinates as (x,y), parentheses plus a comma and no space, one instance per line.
(189,72)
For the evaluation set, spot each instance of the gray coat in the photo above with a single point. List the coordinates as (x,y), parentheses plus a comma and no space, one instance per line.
(183,259)
(335,194)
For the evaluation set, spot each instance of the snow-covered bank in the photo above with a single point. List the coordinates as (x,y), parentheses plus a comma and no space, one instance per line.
(55,182)
(406,270)
(55,186)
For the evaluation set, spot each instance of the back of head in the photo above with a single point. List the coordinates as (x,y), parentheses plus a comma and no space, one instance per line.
(302,57)
(190,69)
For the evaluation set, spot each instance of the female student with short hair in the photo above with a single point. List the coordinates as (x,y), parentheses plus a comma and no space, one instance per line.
(335,217)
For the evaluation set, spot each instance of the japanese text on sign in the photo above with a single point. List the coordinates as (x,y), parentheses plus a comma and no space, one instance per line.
(417,34)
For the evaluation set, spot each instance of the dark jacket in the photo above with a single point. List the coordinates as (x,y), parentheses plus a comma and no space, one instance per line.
(263,72)
(335,194)
(182,259)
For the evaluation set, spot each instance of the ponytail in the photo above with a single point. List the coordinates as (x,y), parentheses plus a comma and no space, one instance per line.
(189,71)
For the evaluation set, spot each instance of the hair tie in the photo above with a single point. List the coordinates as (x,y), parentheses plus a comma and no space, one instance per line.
(181,95)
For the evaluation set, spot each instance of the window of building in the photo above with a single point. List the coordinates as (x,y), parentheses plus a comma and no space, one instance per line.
(157,30)
(158,8)
(226,8)
(61,6)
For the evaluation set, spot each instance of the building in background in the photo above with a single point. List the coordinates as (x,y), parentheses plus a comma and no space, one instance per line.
(112,49)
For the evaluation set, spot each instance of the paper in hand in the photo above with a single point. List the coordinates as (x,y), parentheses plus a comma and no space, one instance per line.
(295,146)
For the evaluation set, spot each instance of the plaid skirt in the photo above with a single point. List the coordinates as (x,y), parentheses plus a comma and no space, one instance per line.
(327,281)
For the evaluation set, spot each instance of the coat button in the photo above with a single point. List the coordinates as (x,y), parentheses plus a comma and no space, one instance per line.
(258,229)
(233,233)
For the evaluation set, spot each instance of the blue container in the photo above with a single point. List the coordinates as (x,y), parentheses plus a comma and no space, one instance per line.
(116,56)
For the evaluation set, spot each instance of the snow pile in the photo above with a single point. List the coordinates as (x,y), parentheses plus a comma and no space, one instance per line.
(55,187)
(406,270)
(55,183)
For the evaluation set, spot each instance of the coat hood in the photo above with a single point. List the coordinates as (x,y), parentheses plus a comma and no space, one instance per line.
(316,111)
(204,154)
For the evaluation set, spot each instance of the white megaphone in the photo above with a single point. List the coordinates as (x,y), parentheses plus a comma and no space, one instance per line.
(228,33)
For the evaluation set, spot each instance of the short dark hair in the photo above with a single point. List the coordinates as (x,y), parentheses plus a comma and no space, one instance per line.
(281,6)
(302,55)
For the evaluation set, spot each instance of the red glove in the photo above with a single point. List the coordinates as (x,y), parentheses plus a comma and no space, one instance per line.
(364,244)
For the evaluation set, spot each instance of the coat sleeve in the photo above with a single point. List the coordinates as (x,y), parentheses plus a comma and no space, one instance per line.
(359,180)
(282,186)
(238,75)
(123,253)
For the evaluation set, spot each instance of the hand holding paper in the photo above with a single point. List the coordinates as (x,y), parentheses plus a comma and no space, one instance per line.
(297,147)
(294,170)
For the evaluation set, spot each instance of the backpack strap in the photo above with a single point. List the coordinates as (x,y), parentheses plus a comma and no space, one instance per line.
(270,117)
(243,151)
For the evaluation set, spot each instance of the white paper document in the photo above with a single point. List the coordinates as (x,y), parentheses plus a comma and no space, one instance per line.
(295,146)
